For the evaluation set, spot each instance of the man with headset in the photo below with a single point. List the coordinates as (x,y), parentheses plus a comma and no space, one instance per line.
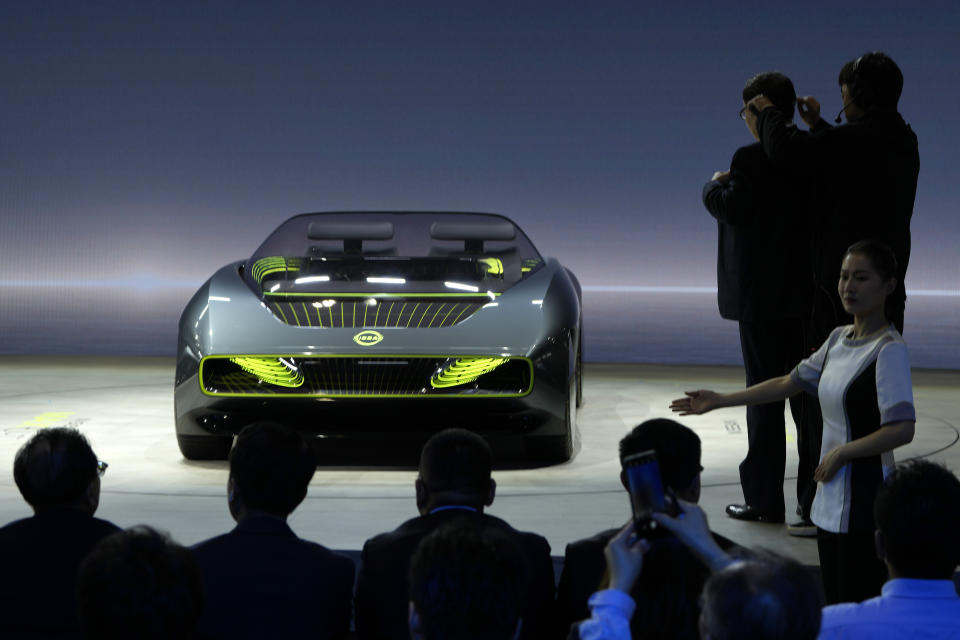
(864,172)
(863,180)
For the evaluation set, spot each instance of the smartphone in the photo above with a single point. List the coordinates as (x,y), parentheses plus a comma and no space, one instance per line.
(646,489)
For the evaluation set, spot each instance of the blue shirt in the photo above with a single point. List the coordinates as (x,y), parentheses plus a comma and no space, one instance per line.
(610,620)
(906,608)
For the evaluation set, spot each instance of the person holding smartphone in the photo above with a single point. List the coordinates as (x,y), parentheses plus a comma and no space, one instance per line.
(861,376)
(666,596)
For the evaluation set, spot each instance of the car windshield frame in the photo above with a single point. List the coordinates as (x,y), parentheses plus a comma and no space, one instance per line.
(286,262)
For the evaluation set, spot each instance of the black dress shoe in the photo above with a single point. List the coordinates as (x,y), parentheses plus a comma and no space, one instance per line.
(747,512)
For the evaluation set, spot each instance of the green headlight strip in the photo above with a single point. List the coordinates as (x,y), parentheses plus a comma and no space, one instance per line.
(464,370)
(414,313)
(270,370)
(273,264)
(361,376)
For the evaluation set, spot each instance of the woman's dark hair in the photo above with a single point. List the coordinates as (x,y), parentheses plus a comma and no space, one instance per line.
(883,260)
(881,256)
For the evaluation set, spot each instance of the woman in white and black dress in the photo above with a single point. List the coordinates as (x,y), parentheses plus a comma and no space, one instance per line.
(861,375)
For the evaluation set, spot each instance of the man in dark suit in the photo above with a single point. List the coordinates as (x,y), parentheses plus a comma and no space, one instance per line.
(864,173)
(262,581)
(59,477)
(454,483)
(764,282)
(667,591)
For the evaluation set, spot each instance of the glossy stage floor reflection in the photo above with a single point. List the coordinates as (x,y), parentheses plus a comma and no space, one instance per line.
(125,407)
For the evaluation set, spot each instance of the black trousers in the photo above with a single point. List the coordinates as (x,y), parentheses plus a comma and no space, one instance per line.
(809,439)
(851,570)
(770,349)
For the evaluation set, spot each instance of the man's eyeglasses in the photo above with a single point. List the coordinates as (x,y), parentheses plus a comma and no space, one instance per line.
(743,111)
(101,467)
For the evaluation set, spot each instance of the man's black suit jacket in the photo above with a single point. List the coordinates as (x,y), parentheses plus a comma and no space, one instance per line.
(39,558)
(584,566)
(262,581)
(764,269)
(864,179)
(382,601)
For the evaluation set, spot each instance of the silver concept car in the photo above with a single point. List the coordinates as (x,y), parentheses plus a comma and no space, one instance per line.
(384,326)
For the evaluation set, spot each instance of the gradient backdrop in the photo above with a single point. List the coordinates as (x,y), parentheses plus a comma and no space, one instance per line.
(145,144)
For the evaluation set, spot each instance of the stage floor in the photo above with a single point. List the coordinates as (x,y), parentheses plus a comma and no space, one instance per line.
(125,407)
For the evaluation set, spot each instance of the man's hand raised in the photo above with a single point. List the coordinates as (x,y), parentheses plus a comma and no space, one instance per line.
(809,110)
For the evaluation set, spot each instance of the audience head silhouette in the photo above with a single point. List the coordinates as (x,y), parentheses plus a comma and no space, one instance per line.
(455,467)
(270,468)
(917,515)
(466,583)
(57,468)
(678,454)
(767,597)
(139,583)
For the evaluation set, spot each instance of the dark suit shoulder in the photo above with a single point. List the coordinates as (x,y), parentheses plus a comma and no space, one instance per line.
(534,543)
(589,546)
(753,162)
(751,153)
(57,523)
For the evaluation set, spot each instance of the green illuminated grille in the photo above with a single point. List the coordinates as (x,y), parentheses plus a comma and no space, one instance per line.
(353,313)
(462,371)
(271,370)
(274,264)
(366,377)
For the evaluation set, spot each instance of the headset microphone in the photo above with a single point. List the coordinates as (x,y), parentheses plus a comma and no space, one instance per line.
(842,109)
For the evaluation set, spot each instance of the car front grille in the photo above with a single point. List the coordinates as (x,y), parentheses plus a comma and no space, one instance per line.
(366,377)
(337,313)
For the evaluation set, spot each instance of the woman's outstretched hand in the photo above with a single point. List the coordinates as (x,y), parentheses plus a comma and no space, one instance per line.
(696,402)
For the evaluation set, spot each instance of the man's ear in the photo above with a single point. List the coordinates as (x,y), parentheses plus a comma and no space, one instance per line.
(491,493)
(623,479)
(93,495)
(234,500)
(879,545)
(891,286)
(413,623)
(231,489)
(423,494)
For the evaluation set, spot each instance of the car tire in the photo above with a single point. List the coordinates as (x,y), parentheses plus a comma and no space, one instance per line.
(570,419)
(557,449)
(579,365)
(204,447)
